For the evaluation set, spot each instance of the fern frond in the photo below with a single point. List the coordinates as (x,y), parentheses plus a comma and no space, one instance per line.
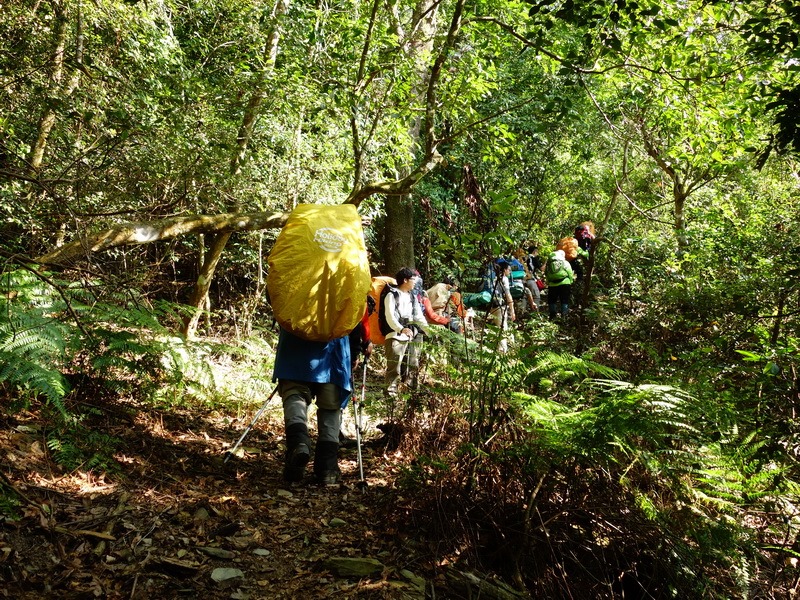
(34,338)
(557,366)
(34,377)
(32,355)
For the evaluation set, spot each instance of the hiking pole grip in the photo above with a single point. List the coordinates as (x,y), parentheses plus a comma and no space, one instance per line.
(261,410)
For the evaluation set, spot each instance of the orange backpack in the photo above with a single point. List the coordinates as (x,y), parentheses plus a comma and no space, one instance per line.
(570,247)
(378,283)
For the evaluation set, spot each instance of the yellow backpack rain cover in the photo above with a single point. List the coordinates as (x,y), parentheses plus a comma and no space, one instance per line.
(319,272)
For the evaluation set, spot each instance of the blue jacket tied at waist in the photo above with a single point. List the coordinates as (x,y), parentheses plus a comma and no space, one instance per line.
(314,362)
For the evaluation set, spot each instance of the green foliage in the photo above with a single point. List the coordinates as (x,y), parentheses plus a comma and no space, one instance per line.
(639,116)
(56,337)
(591,449)
(33,342)
(77,447)
(9,501)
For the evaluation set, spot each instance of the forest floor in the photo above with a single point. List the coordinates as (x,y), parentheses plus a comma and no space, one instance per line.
(177,521)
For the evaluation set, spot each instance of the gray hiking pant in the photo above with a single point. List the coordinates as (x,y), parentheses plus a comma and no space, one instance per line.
(402,362)
(499,316)
(297,395)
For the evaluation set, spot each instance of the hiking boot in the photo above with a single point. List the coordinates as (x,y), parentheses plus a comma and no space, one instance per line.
(329,478)
(326,463)
(296,461)
(345,441)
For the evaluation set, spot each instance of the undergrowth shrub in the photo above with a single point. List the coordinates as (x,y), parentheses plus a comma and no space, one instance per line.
(64,344)
(572,482)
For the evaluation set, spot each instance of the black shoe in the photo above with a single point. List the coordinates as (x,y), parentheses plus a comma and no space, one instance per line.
(346,442)
(329,478)
(296,462)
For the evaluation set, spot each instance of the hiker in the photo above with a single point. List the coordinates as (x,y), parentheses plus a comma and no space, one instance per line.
(502,312)
(559,276)
(308,371)
(360,344)
(445,302)
(421,295)
(403,323)
(584,234)
(534,265)
(516,281)
(440,293)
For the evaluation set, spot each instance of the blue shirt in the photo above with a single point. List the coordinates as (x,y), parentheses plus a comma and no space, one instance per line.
(314,362)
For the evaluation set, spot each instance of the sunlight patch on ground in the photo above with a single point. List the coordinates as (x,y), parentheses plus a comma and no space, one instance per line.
(78,482)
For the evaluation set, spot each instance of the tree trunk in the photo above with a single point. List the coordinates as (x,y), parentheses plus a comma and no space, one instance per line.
(776,326)
(682,186)
(398,241)
(47,120)
(680,193)
(199,297)
(599,229)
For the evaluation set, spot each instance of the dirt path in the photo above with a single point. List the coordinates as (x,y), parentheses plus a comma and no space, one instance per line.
(176,518)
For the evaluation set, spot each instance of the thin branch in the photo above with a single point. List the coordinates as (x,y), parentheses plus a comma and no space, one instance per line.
(640,210)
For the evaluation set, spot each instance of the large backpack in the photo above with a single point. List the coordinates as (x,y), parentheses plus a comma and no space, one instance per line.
(517,270)
(319,272)
(383,323)
(556,270)
(491,283)
(376,293)
(517,289)
(570,247)
(478,300)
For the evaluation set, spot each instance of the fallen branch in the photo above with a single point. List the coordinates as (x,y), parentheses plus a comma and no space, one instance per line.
(130,234)
(118,510)
(84,532)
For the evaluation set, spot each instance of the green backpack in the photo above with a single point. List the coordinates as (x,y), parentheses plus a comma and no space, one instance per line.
(556,270)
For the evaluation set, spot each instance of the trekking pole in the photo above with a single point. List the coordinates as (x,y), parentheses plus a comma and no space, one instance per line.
(230,452)
(357,417)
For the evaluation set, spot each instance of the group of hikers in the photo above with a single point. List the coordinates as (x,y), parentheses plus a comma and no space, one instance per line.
(312,366)
(520,281)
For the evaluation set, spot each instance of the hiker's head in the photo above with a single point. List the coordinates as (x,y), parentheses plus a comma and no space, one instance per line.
(417,282)
(501,266)
(533,249)
(403,275)
(559,254)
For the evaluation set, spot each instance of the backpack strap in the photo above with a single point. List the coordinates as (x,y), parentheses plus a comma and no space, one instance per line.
(383,323)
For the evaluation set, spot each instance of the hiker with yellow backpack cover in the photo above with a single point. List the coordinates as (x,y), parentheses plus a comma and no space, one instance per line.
(317,282)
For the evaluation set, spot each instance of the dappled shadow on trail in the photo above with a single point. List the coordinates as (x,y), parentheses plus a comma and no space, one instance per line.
(177,521)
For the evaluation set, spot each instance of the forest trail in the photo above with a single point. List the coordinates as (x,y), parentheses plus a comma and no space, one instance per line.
(177,517)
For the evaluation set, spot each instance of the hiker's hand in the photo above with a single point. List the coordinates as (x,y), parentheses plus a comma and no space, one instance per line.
(367,351)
